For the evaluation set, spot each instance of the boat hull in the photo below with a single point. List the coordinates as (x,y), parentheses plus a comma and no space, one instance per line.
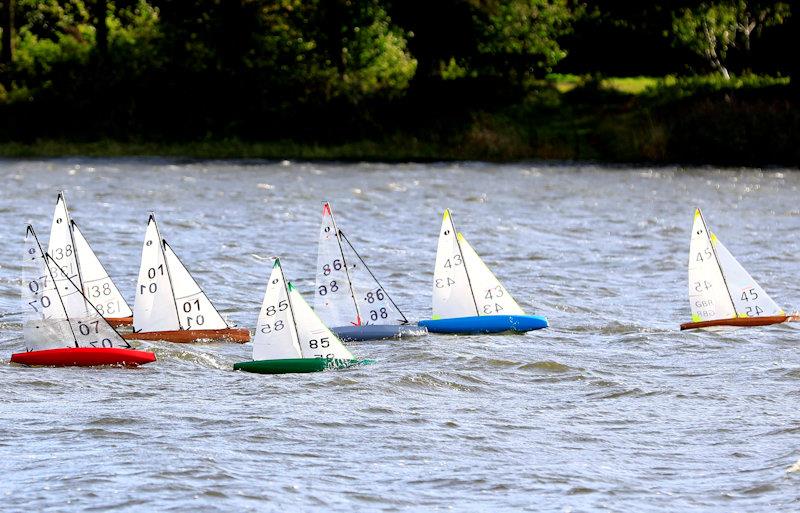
(378,332)
(237,335)
(119,321)
(296,365)
(486,324)
(84,357)
(739,322)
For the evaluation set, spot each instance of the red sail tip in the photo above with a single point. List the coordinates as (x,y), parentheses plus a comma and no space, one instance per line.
(326,209)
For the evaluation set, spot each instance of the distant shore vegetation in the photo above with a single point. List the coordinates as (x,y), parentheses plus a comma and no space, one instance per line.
(680,81)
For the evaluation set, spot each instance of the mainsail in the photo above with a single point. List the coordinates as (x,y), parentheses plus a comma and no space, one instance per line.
(289,328)
(463,286)
(47,322)
(347,292)
(75,257)
(167,297)
(719,287)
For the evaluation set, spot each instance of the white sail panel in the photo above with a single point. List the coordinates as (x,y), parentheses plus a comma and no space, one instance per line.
(60,245)
(490,295)
(276,336)
(452,296)
(47,324)
(44,320)
(708,294)
(333,298)
(748,296)
(154,308)
(315,339)
(194,308)
(374,303)
(91,330)
(97,284)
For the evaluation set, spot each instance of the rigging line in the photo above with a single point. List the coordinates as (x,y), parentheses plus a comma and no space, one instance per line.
(55,285)
(716,259)
(344,263)
(291,311)
(405,320)
(203,292)
(68,220)
(161,244)
(464,263)
(87,302)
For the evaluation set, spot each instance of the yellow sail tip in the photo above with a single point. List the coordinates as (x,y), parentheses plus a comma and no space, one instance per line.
(697,213)
(714,238)
(459,236)
(446,214)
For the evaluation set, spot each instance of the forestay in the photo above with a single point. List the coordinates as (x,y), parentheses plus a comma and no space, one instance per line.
(194,308)
(373,301)
(708,293)
(97,284)
(276,336)
(452,294)
(334,297)
(749,299)
(154,308)
(47,324)
(490,295)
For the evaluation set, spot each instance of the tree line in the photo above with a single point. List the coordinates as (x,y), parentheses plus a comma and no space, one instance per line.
(229,63)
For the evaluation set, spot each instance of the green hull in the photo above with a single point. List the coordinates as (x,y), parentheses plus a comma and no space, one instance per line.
(296,365)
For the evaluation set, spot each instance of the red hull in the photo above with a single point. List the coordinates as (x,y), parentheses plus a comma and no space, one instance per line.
(120,321)
(84,357)
(238,335)
(739,321)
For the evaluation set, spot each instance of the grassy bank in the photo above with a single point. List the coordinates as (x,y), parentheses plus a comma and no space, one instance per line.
(753,121)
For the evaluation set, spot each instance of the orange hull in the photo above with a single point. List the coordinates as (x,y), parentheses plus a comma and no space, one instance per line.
(238,335)
(739,321)
(119,321)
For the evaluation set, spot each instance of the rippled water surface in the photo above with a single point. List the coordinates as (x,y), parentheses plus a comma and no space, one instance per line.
(612,408)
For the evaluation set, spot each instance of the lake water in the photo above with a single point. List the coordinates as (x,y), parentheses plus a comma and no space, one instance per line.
(612,408)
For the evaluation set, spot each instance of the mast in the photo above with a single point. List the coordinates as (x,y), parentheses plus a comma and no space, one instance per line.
(344,263)
(291,310)
(464,263)
(161,243)
(53,280)
(405,320)
(68,220)
(716,259)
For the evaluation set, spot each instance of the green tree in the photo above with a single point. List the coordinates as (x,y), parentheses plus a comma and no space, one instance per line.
(712,29)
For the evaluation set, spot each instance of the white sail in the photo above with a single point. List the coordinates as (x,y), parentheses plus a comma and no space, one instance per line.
(748,297)
(315,339)
(708,293)
(194,308)
(61,245)
(452,295)
(47,324)
(490,295)
(374,303)
(97,285)
(333,299)
(276,336)
(154,308)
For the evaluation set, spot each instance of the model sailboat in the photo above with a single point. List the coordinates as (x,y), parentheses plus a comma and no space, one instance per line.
(467,297)
(349,297)
(721,291)
(169,304)
(70,250)
(60,326)
(289,335)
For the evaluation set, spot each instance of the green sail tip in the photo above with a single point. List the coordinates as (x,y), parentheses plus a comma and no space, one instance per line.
(277,263)
(289,286)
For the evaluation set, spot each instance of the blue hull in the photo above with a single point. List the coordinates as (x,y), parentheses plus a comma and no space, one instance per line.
(486,324)
(378,332)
